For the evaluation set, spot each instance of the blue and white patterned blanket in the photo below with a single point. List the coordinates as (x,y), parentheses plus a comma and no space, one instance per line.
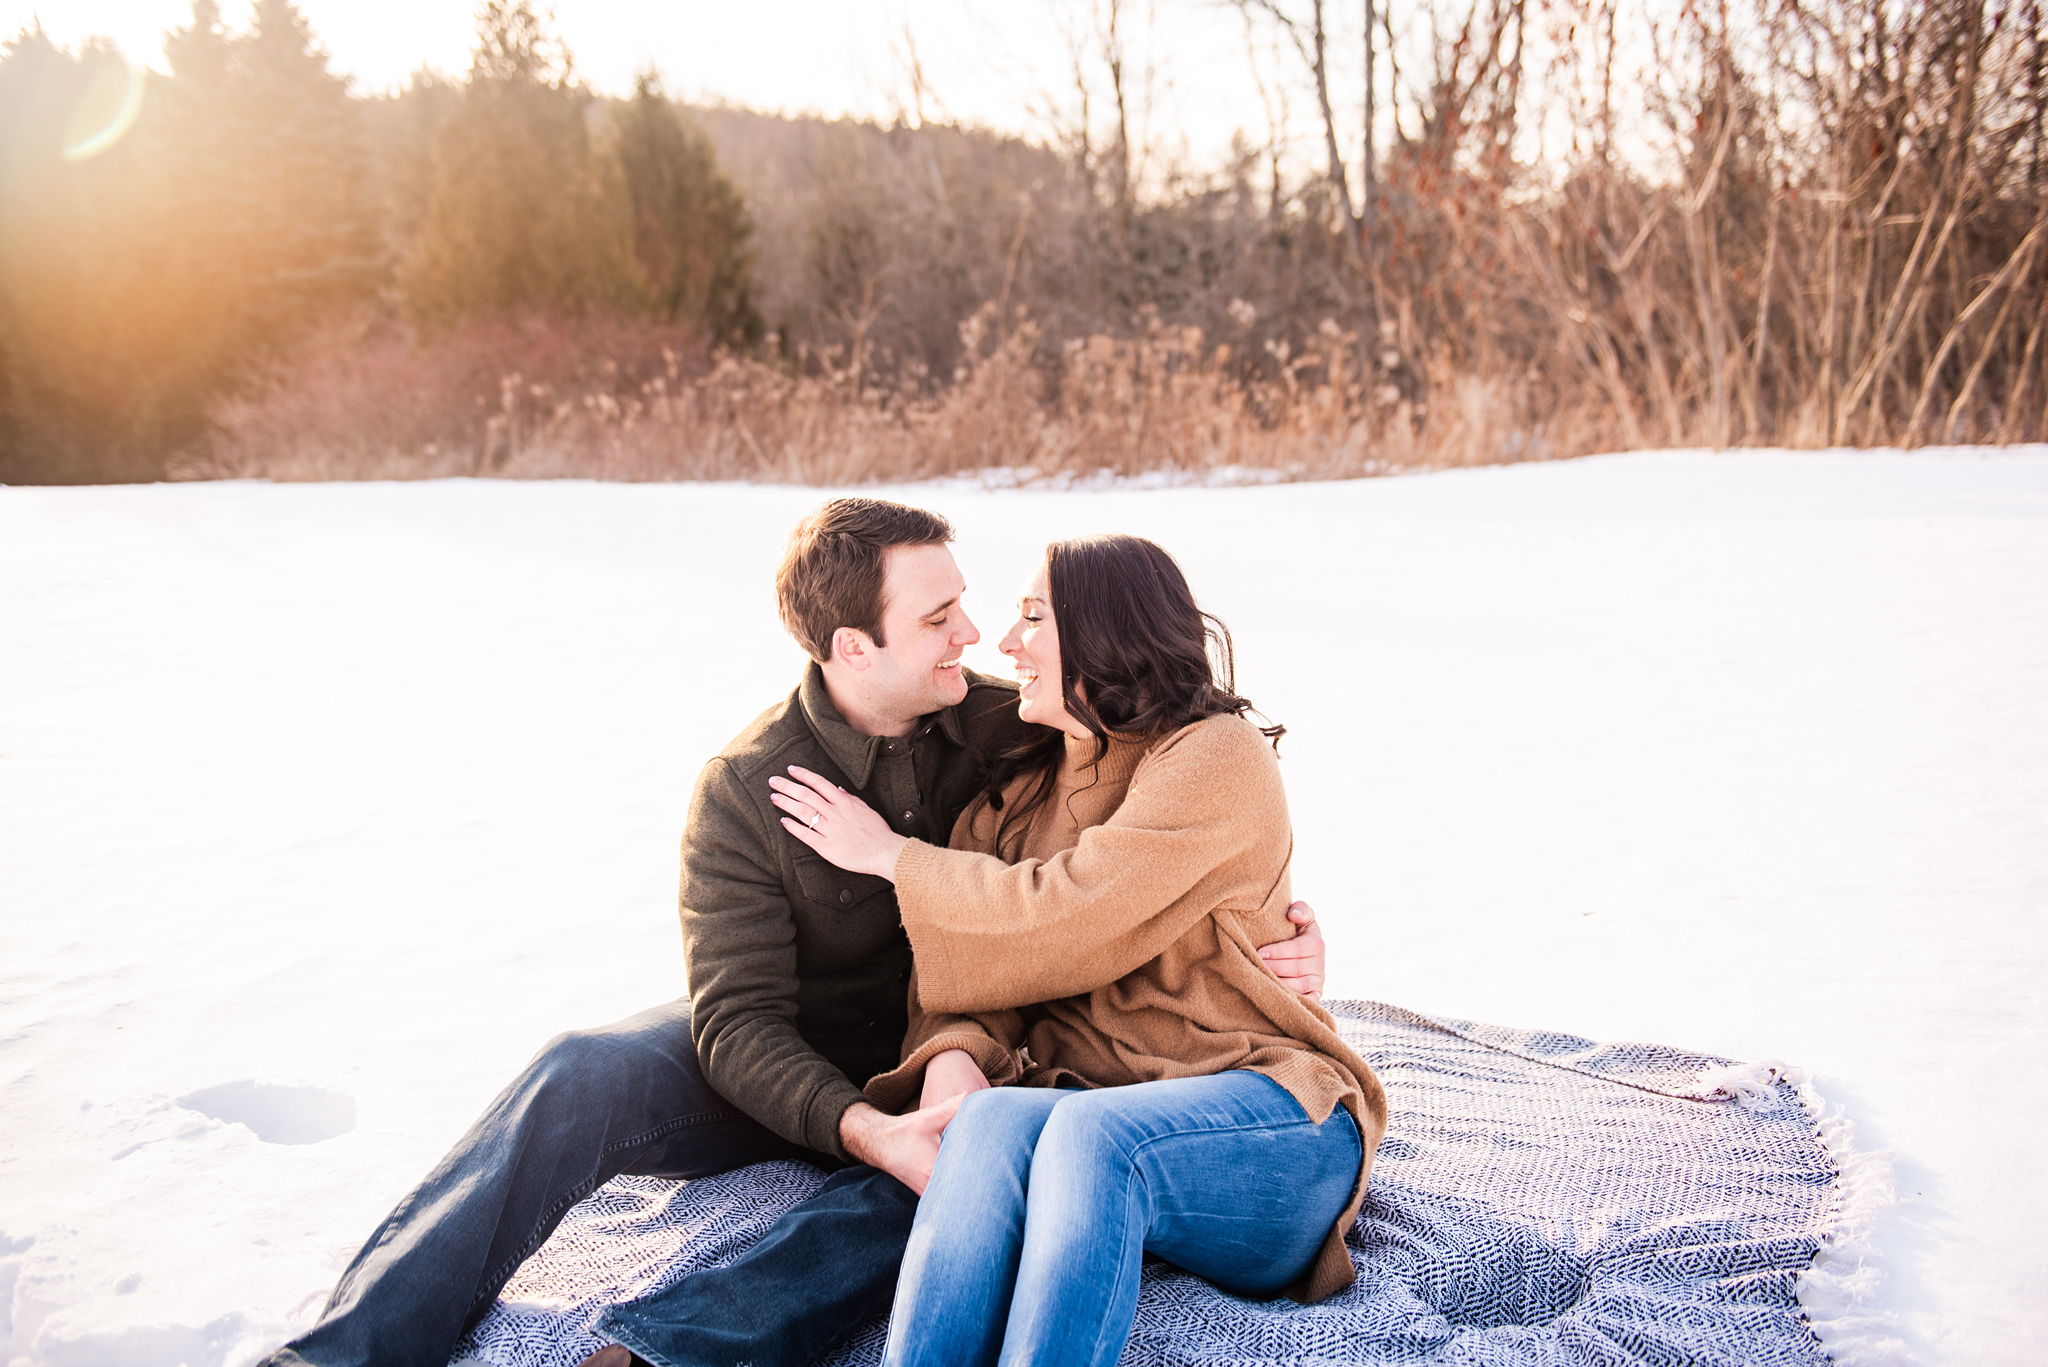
(1539,1199)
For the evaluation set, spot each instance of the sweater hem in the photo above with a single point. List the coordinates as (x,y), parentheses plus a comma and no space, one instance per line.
(896,1089)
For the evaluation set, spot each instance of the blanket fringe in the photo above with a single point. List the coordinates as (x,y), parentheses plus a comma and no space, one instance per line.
(1839,1291)
(1746,1083)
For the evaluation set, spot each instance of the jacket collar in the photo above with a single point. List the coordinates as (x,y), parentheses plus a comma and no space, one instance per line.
(853,751)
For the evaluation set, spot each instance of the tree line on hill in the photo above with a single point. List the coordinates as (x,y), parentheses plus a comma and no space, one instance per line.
(238,267)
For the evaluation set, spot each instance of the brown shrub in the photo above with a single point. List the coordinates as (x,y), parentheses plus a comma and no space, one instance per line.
(369,398)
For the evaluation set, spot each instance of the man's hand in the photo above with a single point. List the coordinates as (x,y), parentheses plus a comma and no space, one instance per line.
(1298,963)
(951,1074)
(904,1146)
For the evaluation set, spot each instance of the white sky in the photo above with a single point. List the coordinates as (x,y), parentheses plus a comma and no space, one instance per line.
(1195,77)
(993,62)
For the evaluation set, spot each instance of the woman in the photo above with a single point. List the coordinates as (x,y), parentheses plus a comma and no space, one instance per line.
(1092,934)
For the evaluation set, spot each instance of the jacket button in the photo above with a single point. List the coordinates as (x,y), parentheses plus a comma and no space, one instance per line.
(845,895)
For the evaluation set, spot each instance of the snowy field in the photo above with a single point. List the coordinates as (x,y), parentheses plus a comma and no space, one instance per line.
(322,807)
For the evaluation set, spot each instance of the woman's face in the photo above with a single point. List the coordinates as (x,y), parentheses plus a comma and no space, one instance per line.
(1033,645)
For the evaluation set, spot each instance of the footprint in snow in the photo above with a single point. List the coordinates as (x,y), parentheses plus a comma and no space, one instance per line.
(276,1114)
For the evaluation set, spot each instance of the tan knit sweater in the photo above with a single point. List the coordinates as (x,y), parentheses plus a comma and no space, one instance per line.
(1122,946)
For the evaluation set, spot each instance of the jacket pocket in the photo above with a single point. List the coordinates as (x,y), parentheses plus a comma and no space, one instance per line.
(830,886)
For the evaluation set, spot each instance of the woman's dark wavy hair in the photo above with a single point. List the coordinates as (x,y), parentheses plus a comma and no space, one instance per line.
(1138,661)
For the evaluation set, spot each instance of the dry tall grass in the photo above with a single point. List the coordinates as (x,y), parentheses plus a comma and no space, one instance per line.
(549,400)
(1852,252)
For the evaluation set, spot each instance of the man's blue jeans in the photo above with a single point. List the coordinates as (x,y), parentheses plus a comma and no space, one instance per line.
(1028,1244)
(593,1104)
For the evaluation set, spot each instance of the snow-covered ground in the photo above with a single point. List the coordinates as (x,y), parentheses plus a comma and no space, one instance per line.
(321,807)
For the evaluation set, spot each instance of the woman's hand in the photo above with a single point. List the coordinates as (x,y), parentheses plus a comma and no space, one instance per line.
(904,1146)
(836,824)
(948,1074)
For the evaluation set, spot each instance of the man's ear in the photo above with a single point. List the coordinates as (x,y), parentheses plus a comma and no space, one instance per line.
(853,648)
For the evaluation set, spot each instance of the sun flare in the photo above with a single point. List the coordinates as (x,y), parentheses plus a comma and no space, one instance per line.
(134,81)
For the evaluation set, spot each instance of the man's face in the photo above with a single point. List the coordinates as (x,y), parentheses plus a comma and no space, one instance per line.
(918,671)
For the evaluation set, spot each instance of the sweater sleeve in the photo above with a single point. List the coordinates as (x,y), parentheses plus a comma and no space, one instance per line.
(991,1039)
(991,935)
(739,940)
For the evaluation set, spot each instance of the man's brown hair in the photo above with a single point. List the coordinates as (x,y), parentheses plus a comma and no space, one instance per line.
(832,571)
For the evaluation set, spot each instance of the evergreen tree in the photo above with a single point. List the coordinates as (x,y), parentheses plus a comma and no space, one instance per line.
(137,273)
(199,54)
(399,130)
(263,178)
(691,237)
(311,237)
(89,381)
(207,201)
(526,216)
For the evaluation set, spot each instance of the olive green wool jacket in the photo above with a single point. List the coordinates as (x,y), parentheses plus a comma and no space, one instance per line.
(799,971)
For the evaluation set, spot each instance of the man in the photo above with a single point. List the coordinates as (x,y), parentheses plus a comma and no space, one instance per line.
(798,994)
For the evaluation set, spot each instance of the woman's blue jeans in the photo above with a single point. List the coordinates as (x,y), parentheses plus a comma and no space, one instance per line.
(1029,1241)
